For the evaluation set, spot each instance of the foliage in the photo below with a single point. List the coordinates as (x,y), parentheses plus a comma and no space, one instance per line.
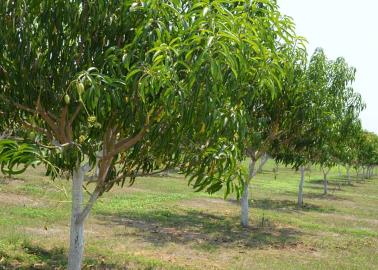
(324,118)
(14,154)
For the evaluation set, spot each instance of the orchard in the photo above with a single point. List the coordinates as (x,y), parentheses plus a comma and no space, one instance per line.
(106,92)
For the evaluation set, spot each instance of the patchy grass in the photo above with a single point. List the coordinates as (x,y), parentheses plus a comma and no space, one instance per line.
(160,223)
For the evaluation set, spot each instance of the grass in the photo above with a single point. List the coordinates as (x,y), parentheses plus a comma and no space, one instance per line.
(160,223)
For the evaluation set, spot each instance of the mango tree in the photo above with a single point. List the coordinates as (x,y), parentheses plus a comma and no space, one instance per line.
(367,153)
(324,109)
(260,42)
(124,89)
(267,114)
(118,88)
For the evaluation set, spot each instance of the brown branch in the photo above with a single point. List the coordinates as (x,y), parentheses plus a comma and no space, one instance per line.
(75,114)
(52,116)
(38,129)
(138,175)
(18,105)
(51,123)
(62,123)
(127,143)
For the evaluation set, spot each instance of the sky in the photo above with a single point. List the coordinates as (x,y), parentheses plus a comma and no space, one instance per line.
(346,28)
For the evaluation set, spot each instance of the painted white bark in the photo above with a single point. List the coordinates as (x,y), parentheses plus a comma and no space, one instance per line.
(348,175)
(300,189)
(263,160)
(244,199)
(325,181)
(76,250)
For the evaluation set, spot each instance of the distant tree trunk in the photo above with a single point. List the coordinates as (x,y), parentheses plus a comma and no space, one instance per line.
(77,229)
(348,175)
(300,189)
(244,198)
(371,171)
(339,170)
(325,180)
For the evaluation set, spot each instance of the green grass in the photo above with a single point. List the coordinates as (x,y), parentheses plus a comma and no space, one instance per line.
(160,223)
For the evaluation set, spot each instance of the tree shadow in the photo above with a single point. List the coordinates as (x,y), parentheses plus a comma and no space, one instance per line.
(6,180)
(53,259)
(203,230)
(284,205)
(320,196)
(48,259)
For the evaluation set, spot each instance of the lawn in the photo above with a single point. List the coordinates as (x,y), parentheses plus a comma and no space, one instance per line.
(160,223)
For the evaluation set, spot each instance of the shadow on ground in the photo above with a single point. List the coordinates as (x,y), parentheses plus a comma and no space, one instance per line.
(284,205)
(43,259)
(331,196)
(203,230)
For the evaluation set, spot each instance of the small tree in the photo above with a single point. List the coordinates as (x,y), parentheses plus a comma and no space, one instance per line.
(323,110)
(267,114)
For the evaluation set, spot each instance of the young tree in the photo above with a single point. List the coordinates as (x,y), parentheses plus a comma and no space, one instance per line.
(321,112)
(266,117)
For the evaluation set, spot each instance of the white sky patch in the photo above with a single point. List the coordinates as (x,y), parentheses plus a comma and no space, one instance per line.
(346,28)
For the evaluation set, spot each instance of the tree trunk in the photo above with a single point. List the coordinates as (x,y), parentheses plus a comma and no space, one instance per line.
(300,190)
(339,170)
(325,181)
(348,175)
(244,199)
(77,228)
(263,160)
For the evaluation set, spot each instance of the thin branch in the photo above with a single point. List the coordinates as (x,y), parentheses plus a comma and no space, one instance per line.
(75,114)
(38,129)
(138,175)
(62,123)
(18,105)
(48,120)
(84,213)
(52,116)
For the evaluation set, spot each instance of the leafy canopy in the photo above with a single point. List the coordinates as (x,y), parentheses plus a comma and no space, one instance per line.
(134,87)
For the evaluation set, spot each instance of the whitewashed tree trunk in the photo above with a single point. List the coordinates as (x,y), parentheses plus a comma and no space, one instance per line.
(76,251)
(263,160)
(244,199)
(300,189)
(339,170)
(348,175)
(325,181)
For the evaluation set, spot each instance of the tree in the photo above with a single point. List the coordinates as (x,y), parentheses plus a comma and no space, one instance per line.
(260,74)
(266,114)
(321,113)
(129,88)
(367,153)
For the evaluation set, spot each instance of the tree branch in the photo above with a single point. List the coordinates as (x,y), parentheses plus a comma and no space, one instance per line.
(18,105)
(127,143)
(75,114)
(84,213)
(38,129)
